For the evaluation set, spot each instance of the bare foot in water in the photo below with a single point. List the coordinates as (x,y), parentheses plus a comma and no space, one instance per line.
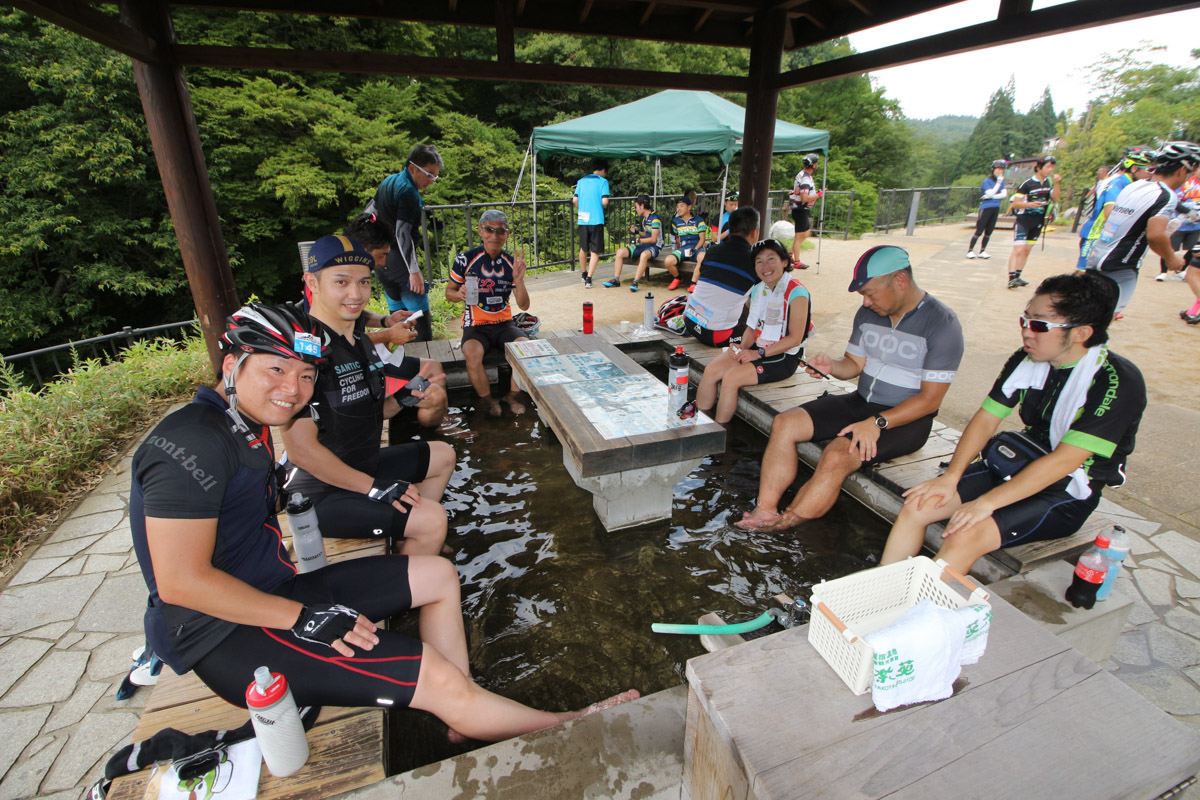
(758,518)
(516,405)
(493,406)
(783,522)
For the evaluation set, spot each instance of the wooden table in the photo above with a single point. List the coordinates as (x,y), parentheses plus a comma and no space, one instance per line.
(631,477)
(1033,719)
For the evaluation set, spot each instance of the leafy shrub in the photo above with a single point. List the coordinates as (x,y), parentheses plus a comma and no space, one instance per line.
(53,442)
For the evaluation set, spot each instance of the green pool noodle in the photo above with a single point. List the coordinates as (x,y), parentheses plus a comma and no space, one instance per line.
(741,627)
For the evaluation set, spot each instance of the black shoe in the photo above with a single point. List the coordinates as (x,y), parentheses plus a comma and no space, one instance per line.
(612,283)
(587,283)
(1192,319)
(1015,282)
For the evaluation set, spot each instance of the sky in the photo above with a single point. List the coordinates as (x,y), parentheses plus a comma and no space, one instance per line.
(963,83)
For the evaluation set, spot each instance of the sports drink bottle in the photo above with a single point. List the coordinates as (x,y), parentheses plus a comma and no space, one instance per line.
(306,536)
(1118,549)
(587,317)
(277,723)
(472,285)
(677,379)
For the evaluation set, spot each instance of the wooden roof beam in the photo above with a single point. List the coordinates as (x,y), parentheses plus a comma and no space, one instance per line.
(704,15)
(386,64)
(88,22)
(1074,16)
(646,15)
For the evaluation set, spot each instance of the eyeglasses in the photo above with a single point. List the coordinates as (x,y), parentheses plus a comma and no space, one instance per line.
(687,410)
(432,178)
(1041,326)
(497,231)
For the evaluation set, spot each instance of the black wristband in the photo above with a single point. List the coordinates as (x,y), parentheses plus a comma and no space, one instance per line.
(323,623)
(388,493)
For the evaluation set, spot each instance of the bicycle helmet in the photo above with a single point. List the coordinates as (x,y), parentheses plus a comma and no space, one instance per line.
(812,159)
(1138,156)
(999,163)
(670,314)
(282,330)
(1184,153)
(528,323)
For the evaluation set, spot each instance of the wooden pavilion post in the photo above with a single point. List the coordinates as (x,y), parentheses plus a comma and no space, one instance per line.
(762,101)
(172,126)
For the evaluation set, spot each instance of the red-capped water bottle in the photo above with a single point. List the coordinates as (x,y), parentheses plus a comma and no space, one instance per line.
(587,317)
(677,380)
(1089,574)
(277,723)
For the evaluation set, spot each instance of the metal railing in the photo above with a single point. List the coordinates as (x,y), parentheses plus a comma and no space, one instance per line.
(936,205)
(448,230)
(837,208)
(102,347)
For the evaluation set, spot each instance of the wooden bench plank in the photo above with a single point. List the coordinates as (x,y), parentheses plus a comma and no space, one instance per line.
(441,350)
(211,713)
(418,350)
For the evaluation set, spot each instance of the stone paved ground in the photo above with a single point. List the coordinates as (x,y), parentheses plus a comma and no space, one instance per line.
(71,615)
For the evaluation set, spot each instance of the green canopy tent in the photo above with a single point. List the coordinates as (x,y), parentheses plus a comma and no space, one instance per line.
(668,123)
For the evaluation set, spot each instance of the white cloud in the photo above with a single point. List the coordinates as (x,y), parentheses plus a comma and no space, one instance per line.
(963,83)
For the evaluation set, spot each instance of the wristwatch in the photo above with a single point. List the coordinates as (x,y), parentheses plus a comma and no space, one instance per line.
(762,352)
(880,421)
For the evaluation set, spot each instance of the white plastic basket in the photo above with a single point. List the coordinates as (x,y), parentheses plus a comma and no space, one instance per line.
(846,609)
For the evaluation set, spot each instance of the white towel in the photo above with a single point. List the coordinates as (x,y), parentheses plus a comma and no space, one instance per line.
(917,656)
(978,619)
(1031,374)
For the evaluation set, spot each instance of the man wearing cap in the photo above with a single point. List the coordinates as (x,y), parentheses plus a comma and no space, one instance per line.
(690,230)
(398,205)
(591,198)
(358,489)
(487,322)
(904,349)
(1030,202)
(714,312)
(647,234)
(804,195)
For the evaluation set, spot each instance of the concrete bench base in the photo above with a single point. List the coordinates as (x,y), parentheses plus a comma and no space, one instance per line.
(634,496)
(1039,594)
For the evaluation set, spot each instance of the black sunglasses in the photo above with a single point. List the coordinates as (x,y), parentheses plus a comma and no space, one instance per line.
(497,231)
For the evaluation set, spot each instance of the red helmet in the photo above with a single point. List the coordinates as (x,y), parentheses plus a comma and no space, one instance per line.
(670,314)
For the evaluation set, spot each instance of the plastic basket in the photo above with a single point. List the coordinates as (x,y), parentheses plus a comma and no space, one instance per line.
(846,609)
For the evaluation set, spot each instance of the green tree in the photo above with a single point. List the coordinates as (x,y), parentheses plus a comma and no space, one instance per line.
(85,242)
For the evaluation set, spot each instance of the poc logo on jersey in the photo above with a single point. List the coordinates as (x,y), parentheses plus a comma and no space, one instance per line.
(906,347)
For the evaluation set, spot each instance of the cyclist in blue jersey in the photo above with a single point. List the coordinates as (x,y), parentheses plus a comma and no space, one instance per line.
(591,198)
(993,190)
(644,246)
(690,231)
(1135,166)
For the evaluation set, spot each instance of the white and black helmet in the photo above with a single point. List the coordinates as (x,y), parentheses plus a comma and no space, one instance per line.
(812,159)
(1184,153)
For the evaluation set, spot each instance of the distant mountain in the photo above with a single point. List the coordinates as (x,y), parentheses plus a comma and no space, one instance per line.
(947,129)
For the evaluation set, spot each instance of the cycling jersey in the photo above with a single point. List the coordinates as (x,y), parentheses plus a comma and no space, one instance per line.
(688,231)
(651,224)
(1032,191)
(1122,243)
(771,311)
(803,181)
(591,191)
(495,285)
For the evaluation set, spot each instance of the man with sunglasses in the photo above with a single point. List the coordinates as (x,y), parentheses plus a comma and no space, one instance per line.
(904,349)
(488,323)
(1080,406)
(398,204)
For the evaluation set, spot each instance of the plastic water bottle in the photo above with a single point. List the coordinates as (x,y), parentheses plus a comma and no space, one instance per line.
(276,723)
(1089,574)
(677,381)
(472,285)
(648,313)
(1118,549)
(587,317)
(306,536)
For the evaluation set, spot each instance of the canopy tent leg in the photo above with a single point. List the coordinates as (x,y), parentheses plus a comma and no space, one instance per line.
(821,224)
(521,174)
(533,175)
(721,205)
(658,187)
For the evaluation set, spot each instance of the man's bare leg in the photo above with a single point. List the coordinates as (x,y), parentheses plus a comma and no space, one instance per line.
(962,549)
(818,494)
(442,460)
(908,534)
(779,465)
(473,354)
(619,263)
(513,396)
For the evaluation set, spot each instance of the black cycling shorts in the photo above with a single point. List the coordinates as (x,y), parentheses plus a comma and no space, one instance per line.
(776,368)
(832,412)
(493,336)
(343,514)
(1027,231)
(376,587)
(591,238)
(1052,513)
(713,338)
(802,218)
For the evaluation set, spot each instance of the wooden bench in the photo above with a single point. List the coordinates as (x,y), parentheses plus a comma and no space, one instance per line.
(881,487)
(347,746)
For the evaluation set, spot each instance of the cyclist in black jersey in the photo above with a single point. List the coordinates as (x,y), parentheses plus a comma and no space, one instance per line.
(1080,406)
(224,596)
(1030,204)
